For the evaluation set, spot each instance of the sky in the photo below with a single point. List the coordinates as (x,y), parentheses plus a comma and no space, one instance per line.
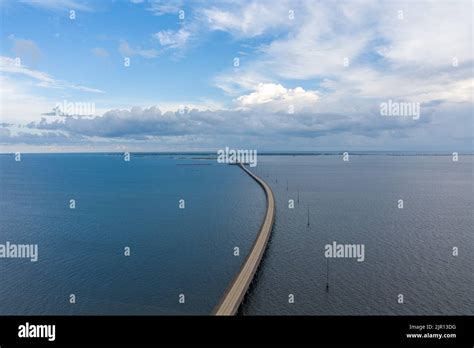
(149,75)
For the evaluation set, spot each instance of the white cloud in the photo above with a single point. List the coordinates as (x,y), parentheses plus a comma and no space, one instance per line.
(241,80)
(430,33)
(279,98)
(127,51)
(162,7)
(10,66)
(248,19)
(58,4)
(173,39)
(17,104)
(387,57)
(449,84)
(150,124)
(314,44)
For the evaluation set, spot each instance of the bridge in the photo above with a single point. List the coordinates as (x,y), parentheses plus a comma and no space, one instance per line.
(230,302)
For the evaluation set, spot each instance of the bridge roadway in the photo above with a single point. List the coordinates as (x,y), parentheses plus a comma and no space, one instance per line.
(230,302)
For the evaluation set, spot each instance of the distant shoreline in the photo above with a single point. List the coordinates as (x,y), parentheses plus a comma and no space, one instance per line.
(213,155)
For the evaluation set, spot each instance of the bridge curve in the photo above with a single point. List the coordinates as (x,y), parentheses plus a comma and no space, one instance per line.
(230,302)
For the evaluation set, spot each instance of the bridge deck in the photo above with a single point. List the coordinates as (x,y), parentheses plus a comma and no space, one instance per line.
(234,295)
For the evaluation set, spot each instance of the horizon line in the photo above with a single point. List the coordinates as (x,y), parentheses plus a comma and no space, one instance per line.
(262,153)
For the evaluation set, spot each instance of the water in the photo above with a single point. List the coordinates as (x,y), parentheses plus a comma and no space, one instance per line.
(407,251)
(121,204)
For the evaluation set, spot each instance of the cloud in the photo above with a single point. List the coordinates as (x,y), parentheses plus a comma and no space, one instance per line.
(162,7)
(242,20)
(127,51)
(355,53)
(18,105)
(279,98)
(133,123)
(100,52)
(262,123)
(13,67)
(302,62)
(315,45)
(241,80)
(56,5)
(426,33)
(42,138)
(143,123)
(173,39)
(248,19)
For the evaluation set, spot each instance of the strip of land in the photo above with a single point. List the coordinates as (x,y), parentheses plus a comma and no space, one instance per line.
(235,293)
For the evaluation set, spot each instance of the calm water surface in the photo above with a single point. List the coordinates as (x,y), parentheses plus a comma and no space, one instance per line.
(173,251)
(407,251)
(190,251)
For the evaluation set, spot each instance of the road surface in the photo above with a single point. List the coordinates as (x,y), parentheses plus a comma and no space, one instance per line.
(235,293)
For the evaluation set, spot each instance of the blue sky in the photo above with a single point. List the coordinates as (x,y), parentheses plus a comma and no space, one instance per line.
(66,50)
(331,64)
